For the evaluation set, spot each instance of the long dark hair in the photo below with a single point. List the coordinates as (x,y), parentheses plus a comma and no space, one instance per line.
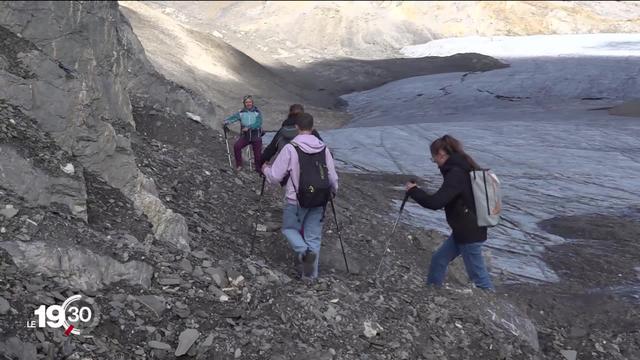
(451,145)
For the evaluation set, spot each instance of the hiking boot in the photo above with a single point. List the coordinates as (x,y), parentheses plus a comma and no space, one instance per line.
(308,263)
(297,263)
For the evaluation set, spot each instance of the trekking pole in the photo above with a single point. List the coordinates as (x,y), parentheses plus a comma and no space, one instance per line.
(386,246)
(333,208)
(255,229)
(226,140)
(251,159)
(249,150)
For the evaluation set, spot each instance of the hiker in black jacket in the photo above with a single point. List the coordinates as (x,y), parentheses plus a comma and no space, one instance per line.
(287,132)
(456,197)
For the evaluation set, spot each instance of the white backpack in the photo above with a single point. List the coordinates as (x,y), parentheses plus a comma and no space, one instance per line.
(487,196)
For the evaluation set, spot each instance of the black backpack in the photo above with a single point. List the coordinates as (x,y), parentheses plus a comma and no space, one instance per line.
(314,188)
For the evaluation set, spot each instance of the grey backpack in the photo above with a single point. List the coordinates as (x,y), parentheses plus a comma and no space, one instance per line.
(487,196)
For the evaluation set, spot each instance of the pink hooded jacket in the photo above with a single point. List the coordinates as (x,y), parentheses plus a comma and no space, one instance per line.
(287,163)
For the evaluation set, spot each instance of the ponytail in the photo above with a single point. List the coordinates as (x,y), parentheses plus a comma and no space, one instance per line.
(451,145)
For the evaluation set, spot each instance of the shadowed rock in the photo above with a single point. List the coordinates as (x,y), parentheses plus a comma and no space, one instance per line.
(77,267)
(38,187)
(88,114)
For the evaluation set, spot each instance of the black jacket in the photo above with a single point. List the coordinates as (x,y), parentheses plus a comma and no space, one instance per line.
(456,196)
(272,148)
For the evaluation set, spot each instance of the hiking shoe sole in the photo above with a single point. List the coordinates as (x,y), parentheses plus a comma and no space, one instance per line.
(308,262)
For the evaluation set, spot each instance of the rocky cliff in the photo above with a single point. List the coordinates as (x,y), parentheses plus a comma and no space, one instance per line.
(74,69)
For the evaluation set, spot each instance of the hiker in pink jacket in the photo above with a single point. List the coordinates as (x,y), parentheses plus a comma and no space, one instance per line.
(295,217)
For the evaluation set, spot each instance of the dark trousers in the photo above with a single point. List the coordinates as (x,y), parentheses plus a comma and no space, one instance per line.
(256,144)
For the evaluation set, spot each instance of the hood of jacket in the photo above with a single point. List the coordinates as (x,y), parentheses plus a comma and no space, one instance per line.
(309,143)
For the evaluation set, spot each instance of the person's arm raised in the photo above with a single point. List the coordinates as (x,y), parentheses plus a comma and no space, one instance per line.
(280,168)
(271,149)
(232,119)
(448,191)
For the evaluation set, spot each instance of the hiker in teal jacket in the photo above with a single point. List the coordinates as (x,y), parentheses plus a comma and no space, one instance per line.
(251,131)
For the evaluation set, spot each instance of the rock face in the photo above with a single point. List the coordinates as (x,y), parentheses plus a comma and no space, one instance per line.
(38,186)
(74,68)
(80,267)
(505,315)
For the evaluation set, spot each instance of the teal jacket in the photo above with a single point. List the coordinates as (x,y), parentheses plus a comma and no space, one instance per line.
(249,118)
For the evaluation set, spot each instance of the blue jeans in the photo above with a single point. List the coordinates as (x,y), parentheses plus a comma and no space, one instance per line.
(294,219)
(473,263)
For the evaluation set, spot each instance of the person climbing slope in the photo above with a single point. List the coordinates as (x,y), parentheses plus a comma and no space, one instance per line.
(456,197)
(285,134)
(312,181)
(250,119)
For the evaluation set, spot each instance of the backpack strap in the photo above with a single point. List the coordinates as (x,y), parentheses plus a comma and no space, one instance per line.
(295,146)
